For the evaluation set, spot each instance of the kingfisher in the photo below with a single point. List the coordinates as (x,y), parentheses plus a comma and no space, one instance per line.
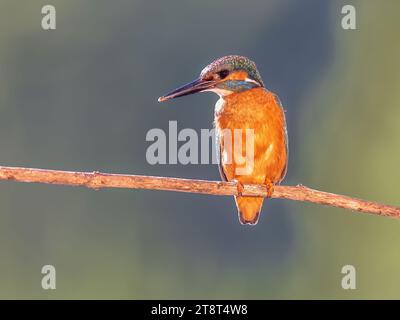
(258,154)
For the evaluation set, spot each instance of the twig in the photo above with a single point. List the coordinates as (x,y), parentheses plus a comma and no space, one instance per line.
(97,180)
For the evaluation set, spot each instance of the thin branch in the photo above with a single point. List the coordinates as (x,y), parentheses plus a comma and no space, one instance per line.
(97,180)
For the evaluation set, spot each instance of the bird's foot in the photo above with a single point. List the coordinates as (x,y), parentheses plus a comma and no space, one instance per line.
(270,189)
(239,187)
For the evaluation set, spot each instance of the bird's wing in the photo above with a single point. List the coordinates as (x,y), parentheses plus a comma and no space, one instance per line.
(286,136)
(219,158)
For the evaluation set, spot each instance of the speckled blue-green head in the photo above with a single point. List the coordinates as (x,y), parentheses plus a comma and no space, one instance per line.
(224,76)
(229,65)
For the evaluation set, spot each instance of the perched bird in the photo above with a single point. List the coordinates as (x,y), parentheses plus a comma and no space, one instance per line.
(244,103)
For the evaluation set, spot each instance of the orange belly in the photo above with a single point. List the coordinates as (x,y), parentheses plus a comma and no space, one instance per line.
(260,111)
(261,158)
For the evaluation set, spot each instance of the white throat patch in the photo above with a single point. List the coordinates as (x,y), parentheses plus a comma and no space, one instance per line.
(221,92)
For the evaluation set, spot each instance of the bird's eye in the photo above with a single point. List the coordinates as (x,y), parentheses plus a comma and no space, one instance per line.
(223,74)
(208,77)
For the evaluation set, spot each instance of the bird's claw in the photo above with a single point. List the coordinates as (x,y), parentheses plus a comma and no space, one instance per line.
(270,189)
(239,187)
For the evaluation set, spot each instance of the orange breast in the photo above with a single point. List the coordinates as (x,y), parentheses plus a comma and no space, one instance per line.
(259,111)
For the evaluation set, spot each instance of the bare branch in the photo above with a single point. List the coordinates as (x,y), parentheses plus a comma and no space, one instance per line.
(97,180)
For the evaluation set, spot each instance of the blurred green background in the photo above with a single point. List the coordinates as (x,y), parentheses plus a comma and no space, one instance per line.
(82,97)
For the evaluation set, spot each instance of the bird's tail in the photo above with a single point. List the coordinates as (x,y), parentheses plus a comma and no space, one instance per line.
(249,209)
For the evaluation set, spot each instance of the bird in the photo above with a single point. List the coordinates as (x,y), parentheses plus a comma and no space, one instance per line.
(246,105)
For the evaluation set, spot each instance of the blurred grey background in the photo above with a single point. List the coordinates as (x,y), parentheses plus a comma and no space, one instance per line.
(83,96)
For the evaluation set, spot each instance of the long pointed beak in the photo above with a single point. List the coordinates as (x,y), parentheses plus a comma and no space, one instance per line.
(197,85)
